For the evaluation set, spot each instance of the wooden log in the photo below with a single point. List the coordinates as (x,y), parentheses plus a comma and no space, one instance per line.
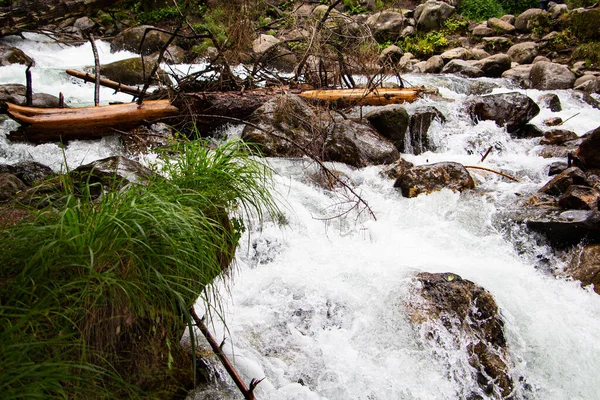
(372,97)
(118,87)
(50,124)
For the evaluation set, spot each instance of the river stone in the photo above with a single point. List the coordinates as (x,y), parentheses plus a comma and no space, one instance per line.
(529,19)
(29,172)
(579,197)
(387,25)
(456,53)
(496,43)
(523,53)
(500,26)
(551,101)
(493,66)
(396,169)
(558,136)
(111,172)
(131,71)
(130,40)
(12,55)
(391,121)
(513,110)
(431,15)
(585,266)
(564,228)
(267,48)
(557,167)
(434,177)
(457,314)
(433,65)
(172,55)
(358,145)
(483,30)
(588,153)
(390,56)
(588,83)
(420,121)
(10,185)
(85,25)
(462,67)
(551,76)
(519,75)
(558,185)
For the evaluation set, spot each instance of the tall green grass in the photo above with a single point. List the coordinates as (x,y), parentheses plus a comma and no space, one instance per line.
(94,292)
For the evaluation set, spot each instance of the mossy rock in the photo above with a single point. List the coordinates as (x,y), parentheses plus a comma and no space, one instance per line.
(584,24)
(133,71)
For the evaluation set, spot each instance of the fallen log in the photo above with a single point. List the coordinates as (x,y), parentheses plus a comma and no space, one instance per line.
(50,124)
(371,97)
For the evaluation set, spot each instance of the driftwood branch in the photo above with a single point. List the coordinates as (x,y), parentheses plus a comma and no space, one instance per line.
(158,61)
(247,392)
(118,87)
(494,171)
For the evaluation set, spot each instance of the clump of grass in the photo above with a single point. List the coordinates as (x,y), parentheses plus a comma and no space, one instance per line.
(94,293)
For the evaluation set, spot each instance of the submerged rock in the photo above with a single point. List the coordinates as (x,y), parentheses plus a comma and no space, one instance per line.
(434,177)
(458,315)
(420,121)
(513,110)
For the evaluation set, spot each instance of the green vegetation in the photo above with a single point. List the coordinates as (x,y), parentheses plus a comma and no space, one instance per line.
(589,52)
(353,7)
(425,44)
(479,10)
(95,290)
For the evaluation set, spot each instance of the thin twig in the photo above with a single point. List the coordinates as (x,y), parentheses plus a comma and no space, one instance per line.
(486,154)
(247,392)
(96,72)
(573,116)
(494,171)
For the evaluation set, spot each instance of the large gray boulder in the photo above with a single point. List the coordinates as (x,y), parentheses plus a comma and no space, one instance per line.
(529,19)
(519,75)
(551,76)
(15,93)
(523,53)
(131,39)
(387,25)
(493,66)
(391,121)
(434,177)
(287,125)
(462,67)
(433,65)
(132,71)
(588,154)
(513,110)
(12,55)
(500,26)
(431,15)
(456,53)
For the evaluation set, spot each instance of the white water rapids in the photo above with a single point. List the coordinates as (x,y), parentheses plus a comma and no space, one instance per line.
(317,305)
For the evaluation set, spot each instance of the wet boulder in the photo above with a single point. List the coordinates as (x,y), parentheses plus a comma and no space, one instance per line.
(588,153)
(512,110)
(434,177)
(585,266)
(433,65)
(558,136)
(457,53)
(563,228)
(396,169)
(29,172)
(561,182)
(551,101)
(287,125)
(131,39)
(12,55)
(579,197)
(392,122)
(15,93)
(390,56)
(431,15)
(455,314)
(551,76)
(418,129)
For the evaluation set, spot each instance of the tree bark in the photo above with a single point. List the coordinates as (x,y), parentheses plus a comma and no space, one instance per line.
(28,15)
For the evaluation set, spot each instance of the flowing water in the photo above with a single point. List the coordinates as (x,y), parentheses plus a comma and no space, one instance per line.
(317,302)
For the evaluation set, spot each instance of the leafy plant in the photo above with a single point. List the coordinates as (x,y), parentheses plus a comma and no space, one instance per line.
(353,7)
(590,52)
(94,292)
(425,45)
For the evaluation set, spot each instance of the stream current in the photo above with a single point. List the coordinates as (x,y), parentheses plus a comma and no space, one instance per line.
(317,301)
